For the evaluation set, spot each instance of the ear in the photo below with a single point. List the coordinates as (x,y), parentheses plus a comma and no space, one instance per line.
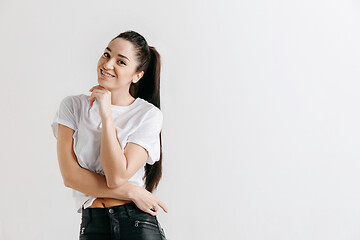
(138,76)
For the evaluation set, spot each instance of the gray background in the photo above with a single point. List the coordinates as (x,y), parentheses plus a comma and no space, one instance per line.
(261,113)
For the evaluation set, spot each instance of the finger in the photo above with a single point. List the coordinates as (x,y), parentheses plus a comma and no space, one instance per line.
(155,208)
(97,87)
(163,206)
(151,212)
(90,101)
(94,87)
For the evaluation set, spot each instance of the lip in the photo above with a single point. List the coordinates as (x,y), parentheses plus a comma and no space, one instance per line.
(103,76)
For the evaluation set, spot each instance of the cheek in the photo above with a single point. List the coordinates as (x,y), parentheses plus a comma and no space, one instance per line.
(100,62)
(119,72)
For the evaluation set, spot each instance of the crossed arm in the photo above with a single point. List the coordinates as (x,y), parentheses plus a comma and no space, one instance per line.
(93,184)
(81,179)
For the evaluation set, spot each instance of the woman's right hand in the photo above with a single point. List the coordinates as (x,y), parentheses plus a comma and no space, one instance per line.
(145,200)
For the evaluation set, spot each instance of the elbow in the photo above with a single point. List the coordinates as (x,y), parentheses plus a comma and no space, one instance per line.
(67,182)
(69,179)
(115,183)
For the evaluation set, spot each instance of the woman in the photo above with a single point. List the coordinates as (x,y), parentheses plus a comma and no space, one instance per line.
(109,144)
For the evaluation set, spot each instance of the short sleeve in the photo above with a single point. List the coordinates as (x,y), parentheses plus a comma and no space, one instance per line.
(147,134)
(64,115)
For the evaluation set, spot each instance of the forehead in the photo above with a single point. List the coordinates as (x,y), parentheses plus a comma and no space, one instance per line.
(123,47)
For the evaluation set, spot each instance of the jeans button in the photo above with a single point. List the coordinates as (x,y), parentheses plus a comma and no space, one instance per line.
(111,210)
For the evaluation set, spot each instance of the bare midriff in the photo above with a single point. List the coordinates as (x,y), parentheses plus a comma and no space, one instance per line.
(108,202)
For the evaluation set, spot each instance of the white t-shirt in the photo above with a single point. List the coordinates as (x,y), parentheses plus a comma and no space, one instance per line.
(140,123)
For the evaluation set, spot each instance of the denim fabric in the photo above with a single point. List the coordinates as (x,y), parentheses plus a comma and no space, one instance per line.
(125,222)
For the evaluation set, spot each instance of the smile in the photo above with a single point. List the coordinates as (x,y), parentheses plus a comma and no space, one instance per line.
(105,74)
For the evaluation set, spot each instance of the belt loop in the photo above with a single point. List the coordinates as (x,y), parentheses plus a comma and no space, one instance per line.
(127,211)
(87,213)
(90,213)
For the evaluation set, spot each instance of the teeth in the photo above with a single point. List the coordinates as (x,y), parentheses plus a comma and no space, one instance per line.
(105,73)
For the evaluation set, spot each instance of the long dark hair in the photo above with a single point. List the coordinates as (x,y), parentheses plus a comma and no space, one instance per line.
(148,88)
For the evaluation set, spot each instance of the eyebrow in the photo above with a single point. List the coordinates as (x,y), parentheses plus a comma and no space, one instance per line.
(118,54)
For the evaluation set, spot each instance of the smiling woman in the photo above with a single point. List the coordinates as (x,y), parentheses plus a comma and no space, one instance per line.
(109,143)
(119,63)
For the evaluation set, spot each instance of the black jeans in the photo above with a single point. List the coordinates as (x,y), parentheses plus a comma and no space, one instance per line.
(123,222)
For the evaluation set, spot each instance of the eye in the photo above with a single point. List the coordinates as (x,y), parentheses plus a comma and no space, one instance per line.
(107,54)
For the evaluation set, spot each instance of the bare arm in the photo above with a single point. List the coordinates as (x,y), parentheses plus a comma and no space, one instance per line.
(93,184)
(118,165)
(113,160)
(81,179)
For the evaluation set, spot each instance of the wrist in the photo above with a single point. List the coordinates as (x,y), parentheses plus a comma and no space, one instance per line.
(107,119)
(132,191)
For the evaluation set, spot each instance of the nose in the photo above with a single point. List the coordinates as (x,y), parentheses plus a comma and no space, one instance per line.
(109,64)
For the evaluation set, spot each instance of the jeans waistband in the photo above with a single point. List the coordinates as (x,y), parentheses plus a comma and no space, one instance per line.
(124,208)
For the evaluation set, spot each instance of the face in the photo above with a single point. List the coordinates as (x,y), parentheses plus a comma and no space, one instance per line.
(116,67)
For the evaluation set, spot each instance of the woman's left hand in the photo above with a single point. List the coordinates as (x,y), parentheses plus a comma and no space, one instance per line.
(103,97)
